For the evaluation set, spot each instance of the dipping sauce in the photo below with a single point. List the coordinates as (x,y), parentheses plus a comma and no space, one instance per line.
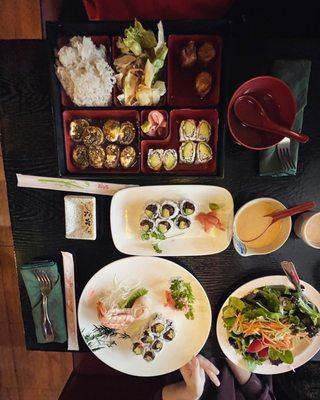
(252,222)
(313,230)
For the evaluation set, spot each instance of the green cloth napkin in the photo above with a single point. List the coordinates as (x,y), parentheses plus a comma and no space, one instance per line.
(296,74)
(55,299)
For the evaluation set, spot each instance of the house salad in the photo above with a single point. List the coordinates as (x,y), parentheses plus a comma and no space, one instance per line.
(139,65)
(268,323)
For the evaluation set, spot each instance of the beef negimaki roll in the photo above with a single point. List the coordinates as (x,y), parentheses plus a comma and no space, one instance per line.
(169,210)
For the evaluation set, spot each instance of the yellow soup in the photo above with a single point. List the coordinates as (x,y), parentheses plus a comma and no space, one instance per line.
(252,221)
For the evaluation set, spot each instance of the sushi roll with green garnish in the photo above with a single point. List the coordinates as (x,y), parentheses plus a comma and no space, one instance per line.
(158,328)
(138,348)
(169,335)
(169,210)
(147,225)
(203,131)
(149,356)
(187,152)
(164,225)
(157,345)
(188,130)
(187,208)
(182,222)
(152,210)
(147,337)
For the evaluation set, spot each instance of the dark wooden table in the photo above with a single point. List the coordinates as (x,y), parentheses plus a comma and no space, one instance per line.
(37,216)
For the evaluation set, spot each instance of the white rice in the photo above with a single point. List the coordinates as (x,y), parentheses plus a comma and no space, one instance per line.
(84,72)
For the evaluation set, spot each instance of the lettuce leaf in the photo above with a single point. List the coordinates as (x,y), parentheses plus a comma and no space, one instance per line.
(138,39)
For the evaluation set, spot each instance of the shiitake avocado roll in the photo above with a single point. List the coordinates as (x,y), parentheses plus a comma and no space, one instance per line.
(147,337)
(147,225)
(169,334)
(149,356)
(182,222)
(158,328)
(169,209)
(187,207)
(152,210)
(138,348)
(157,345)
(164,225)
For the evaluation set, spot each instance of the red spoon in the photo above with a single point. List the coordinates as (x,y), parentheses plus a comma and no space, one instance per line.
(275,216)
(250,112)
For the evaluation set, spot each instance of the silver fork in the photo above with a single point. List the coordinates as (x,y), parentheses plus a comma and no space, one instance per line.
(284,153)
(45,288)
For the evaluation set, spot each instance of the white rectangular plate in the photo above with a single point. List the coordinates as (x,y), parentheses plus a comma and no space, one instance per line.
(80,216)
(127,209)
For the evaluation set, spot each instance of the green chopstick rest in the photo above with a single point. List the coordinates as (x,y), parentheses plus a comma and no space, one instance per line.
(55,299)
(296,74)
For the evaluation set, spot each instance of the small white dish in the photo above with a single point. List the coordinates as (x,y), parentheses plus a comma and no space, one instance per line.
(153,273)
(303,225)
(302,352)
(244,249)
(127,209)
(80,217)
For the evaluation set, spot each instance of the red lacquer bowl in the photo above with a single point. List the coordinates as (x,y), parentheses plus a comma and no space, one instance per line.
(279,103)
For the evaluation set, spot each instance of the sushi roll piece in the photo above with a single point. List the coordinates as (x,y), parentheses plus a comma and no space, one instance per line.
(96,156)
(152,210)
(157,324)
(111,130)
(169,159)
(138,348)
(187,208)
(187,152)
(204,153)
(128,157)
(182,222)
(127,133)
(169,210)
(147,337)
(203,131)
(169,335)
(146,225)
(92,135)
(77,128)
(157,345)
(164,225)
(112,156)
(188,130)
(155,158)
(149,356)
(80,156)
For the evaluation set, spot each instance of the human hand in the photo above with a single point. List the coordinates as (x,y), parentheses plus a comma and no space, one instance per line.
(194,376)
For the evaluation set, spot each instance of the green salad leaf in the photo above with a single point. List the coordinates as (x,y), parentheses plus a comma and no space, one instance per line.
(251,362)
(312,312)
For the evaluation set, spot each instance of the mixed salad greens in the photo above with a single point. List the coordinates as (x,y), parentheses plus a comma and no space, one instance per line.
(267,323)
(181,297)
(142,58)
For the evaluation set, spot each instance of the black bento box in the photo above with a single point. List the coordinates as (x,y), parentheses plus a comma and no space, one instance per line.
(57,30)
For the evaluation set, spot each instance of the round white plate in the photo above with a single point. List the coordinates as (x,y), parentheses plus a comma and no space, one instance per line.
(153,273)
(302,353)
